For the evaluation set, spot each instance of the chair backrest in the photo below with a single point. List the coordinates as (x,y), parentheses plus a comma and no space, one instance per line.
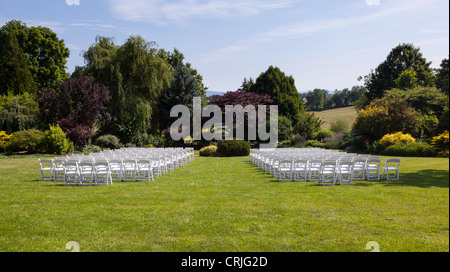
(45,162)
(374,160)
(85,163)
(397,161)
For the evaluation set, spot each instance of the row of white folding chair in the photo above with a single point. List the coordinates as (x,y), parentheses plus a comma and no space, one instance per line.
(325,172)
(85,173)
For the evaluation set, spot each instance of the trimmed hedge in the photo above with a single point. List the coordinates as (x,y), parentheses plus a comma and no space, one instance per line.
(234,148)
(410,150)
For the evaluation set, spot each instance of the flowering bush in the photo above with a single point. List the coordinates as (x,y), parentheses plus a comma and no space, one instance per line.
(4,139)
(396,138)
(441,144)
(208,151)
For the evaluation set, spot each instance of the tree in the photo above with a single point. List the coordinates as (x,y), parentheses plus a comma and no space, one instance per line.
(401,58)
(442,76)
(136,76)
(79,107)
(18,112)
(282,90)
(244,99)
(246,84)
(407,80)
(184,87)
(316,99)
(15,76)
(46,55)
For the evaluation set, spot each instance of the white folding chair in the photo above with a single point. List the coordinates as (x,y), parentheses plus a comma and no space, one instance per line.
(144,170)
(387,168)
(314,167)
(300,170)
(58,168)
(129,170)
(328,173)
(359,168)
(116,169)
(46,169)
(284,172)
(373,168)
(70,172)
(85,173)
(102,175)
(345,172)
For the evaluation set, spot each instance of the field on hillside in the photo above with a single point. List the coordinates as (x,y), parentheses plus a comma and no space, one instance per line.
(347,114)
(225,205)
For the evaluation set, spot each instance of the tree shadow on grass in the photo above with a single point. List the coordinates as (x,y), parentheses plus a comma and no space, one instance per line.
(423,179)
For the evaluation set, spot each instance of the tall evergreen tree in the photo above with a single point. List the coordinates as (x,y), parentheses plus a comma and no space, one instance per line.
(15,76)
(281,88)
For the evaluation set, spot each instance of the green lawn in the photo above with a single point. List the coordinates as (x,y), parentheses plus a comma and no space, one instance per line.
(226,205)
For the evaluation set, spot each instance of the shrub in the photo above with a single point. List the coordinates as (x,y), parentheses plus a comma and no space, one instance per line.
(4,140)
(55,141)
(26,140)
(208,151)
(108,141)
(314,143)
(383,117)
(323,133)
(441,144)
(396,138)
(333,142)
(410,150)
(353,140)
(339,126)
(91,149)
(231,148)
(299,140)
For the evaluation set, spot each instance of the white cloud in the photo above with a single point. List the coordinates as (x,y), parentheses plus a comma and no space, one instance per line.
(167,12)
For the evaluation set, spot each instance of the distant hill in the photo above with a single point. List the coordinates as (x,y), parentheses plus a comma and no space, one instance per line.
(211,93)
(347,114)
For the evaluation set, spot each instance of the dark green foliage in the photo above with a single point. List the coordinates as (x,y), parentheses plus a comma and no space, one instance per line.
(323,133)
(308,125)
(401,58)
(234,148)
(108,141)
(282,90)
(46,55)
(285,128)
(442,76)
(410,150)
(15,76)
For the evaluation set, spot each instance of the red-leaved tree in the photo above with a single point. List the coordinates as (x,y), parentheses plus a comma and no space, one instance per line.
(79,107)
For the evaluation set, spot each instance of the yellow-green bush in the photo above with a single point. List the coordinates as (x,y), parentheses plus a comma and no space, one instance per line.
(441,144)
(4,140)
(396,138)
(208,151)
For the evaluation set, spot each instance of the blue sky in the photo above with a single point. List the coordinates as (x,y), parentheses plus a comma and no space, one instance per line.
(321,43)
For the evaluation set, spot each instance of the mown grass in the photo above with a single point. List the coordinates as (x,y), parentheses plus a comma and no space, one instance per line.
(347,114)
(225,205)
